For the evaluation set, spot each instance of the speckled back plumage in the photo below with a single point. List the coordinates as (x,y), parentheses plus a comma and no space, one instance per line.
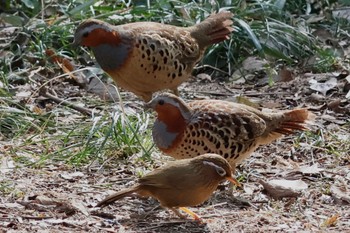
(146,57)
(214,126)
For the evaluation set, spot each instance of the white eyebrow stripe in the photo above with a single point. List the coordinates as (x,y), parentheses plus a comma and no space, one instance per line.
(214,165)
(96,26)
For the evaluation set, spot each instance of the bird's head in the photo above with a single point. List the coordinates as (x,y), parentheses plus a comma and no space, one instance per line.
(93,32)
(222,170)
(167,102)
(169,108)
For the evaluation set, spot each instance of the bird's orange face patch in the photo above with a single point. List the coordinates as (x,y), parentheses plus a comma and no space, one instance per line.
(100,36)
(171,116)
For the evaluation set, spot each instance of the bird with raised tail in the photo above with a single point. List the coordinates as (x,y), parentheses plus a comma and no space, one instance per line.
(180,183)
(232,130)
(146,57)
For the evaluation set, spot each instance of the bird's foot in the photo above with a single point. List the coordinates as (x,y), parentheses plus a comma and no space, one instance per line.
(188,211)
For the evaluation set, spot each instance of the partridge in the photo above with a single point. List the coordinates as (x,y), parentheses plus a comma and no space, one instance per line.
(232,130)
(180,183)
(146,57)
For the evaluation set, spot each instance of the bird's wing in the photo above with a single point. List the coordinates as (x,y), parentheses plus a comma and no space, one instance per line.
(240,122)
(171,176)
(174,41)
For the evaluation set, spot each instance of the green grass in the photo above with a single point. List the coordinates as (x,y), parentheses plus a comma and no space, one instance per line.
(325,143)
(91,139)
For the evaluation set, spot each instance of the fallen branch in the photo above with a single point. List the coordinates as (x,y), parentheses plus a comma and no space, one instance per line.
(66,103)
(36,217)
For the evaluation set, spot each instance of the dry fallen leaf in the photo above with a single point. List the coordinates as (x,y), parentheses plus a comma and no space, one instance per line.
(341,193)
(323,87)
(7,165)
(285,75)
(330,221)
(67,66)
(79,205)
(103,90)
(72,176)
(283,188)
(202,77)
(310,169)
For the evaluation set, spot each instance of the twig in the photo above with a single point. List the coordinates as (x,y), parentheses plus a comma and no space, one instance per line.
(66,103)
(229,89)
(235,94)
(36,217)
(162,223)
(211,67)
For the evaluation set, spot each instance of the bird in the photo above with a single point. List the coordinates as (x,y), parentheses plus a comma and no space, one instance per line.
(180,183)
(232,130)
(146,57)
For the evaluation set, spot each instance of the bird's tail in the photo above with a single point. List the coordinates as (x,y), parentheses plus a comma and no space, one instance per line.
(296,119)
(286,123)
(114,197)
(214,29)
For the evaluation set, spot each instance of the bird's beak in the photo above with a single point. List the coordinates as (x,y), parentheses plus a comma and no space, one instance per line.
(233,181)
(148,105)
(75,43)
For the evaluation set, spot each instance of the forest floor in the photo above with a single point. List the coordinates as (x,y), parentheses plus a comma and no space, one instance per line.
(300,183)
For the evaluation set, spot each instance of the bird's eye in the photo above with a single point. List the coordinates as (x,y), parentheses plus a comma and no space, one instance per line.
(161,102)
(86,34)
(218,169)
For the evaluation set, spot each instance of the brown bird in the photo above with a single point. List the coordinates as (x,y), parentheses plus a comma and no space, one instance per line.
(145,57)
(180,183)
(229,129)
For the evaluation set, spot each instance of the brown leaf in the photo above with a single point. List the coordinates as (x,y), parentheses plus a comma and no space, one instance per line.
(285,75)
(283,188)
(330,222)
(67,66)
(335,106)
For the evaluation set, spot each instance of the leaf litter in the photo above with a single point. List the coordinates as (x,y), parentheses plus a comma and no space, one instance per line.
(297,184)
(61,198)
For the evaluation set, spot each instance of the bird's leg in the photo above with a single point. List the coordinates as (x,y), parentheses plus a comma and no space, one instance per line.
(177,212)
(194,215)
(233,181)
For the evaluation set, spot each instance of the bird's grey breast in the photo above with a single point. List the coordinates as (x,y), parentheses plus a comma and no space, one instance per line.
(161,136)
(111,57)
